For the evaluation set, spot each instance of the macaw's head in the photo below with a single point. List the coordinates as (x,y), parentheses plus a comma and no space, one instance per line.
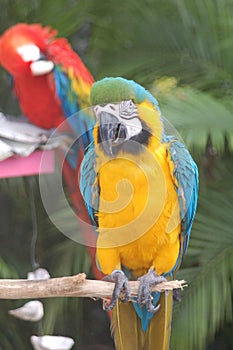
(23,50)
(127,116)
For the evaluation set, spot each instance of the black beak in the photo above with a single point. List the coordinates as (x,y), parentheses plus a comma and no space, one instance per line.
(112,133)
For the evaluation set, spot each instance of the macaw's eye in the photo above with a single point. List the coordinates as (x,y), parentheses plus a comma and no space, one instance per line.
(129,106)
(131,103)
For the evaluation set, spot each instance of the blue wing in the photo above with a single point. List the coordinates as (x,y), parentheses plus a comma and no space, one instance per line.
(89,183)
(186,174)
(81,121)
(67,96)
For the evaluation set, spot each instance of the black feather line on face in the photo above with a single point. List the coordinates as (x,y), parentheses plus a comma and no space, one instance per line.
(132,146)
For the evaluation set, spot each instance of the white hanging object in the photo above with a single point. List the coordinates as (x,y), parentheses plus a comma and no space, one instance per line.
(38,274)
(31,311)
(50,342)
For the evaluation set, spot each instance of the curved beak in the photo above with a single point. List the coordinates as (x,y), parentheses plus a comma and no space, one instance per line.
(39,64)
(112,132)
(41,67)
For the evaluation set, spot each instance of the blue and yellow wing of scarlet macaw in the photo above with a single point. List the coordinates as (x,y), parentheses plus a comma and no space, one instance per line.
(140,186)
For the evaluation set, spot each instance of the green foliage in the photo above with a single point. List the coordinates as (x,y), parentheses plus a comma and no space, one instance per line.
(7,271)
(198,116)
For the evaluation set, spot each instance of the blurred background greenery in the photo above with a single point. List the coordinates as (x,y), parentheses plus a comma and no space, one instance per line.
(182,51)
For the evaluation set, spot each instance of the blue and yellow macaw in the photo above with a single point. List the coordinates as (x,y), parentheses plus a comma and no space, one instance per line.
(140,186)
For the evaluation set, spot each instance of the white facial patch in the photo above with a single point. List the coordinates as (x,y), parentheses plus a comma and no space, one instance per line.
(41,67)
(29,52)
(127,114)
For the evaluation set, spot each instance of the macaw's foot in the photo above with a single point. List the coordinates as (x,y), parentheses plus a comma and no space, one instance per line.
(144,292)
(176,295)
(121,288)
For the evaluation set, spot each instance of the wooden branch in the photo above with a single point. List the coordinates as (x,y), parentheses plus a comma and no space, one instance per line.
(72,286)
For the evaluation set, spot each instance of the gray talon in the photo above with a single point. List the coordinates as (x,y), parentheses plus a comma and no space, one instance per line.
(121,286)
(144,292)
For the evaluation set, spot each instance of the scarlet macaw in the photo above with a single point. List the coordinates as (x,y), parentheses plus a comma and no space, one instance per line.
(140,186)
(51,84)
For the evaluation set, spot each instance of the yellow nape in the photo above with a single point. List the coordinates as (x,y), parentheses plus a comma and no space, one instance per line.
(152,119)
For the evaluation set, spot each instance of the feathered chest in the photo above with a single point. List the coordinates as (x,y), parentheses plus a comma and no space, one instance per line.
(38,100)
(136,193)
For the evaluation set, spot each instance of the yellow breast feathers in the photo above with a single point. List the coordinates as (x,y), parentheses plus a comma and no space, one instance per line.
(139,219)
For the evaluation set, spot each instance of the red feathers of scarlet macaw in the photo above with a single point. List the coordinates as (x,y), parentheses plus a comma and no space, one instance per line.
(51,84)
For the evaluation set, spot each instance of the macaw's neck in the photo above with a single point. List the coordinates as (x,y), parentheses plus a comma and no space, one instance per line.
(38,100)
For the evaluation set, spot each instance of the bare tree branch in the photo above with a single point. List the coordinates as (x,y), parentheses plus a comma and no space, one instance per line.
(72,286)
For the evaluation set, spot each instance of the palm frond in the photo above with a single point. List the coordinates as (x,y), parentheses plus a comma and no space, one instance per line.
(197,116)
(207,302)
(6,270)
(179,38)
